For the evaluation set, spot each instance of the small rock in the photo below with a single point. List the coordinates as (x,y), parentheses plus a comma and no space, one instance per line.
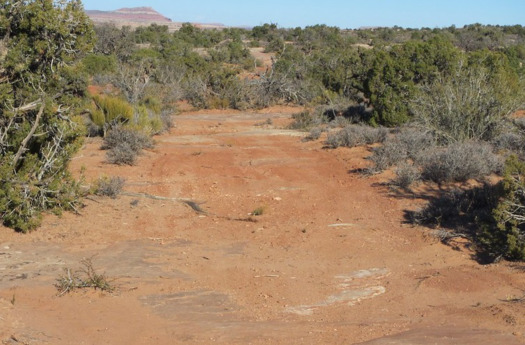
(277,198)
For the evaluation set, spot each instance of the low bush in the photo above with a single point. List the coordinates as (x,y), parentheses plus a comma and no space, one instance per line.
(390,153)
(122,154)
(406,175)
(119,135)
(407,143)
(315,133)
(124,145)
(504,235)
(110,109)
(460,162)
(356,135)
(304,121)
(459,210)
(109,186)
(510,141)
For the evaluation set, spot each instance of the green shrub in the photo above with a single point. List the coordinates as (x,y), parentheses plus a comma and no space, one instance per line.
(97,117)
(505,235)
(114,109)
(96,64)
(42,85)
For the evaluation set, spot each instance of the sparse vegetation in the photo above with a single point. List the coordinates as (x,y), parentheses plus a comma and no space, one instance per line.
(446,96)
(315,133)
(259,211)
(356,135)
(125,144)
(85,277)
(109,186)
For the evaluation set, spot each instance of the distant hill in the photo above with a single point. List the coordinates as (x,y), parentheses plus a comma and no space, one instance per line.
(140,16)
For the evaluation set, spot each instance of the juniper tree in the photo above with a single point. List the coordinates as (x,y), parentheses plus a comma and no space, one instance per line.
(41,89)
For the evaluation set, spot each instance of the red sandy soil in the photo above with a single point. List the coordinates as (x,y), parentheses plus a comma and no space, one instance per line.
(330,260)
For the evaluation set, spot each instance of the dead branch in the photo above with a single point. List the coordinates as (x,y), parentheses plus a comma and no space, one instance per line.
(193,204)
(24,143)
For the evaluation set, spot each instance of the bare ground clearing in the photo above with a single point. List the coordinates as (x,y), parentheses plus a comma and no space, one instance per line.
(329,261)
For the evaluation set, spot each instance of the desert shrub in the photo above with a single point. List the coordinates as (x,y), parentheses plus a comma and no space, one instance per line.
(136,140)
(303,121)
(339,122)
(471,104)
(511,141)
(407,143)
(459,210)
(406,175)
(373,135)
(124,145)
(315,133)
(96,64)
(109,186)
(387,155)
(147,121)
(504,235)
(122,154)
(97,117)
(460,162)
(414,141)
(112,108)
(356,135)
(167,119)
(519,123)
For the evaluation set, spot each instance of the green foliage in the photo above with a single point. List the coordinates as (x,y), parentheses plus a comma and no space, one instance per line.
(41,91)
(95,64)
(113,109)
(394,74)
(505,237)
(473,102)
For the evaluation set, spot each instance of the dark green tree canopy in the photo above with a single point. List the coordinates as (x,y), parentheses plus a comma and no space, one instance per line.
(41,88)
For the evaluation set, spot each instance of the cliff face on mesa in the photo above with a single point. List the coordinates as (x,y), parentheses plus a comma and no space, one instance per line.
(138,16)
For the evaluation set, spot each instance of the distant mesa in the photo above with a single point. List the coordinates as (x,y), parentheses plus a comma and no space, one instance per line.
(139,16)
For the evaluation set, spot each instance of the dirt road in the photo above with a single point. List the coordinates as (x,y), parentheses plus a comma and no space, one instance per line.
(329,260)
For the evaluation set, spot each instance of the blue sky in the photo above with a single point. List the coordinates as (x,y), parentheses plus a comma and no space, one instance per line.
(342,13)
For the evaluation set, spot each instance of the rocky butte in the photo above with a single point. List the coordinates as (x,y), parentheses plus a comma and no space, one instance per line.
(139,16)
